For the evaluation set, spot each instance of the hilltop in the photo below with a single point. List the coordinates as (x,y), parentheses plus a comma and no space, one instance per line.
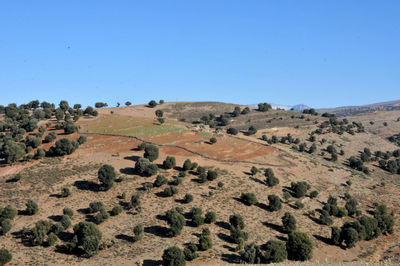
(239,148)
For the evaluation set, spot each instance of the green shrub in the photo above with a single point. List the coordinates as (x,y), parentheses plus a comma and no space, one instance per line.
(31,207)
(152,104)
(40,153)
(370,225)
(196,216)
(237,235)
(213,140)
(138,230)
(39,232)
(335,236)
(106,176)
(299,204)
(96,206)
(274,203)
(252,254)
(160,180)
(182,174)
(288,223)
(50,137)
(147,186)
(65,221)
(169,162)
(151,152)
(349,236)
(5,256)
(145,168)
(212,175)
(65,192)
(57,228)
(271,179)
(135,201)
(51,239)
(101,216)
(90,245)
(300,189)
(236,221)
(220,184)
(299,246)
(141,146)
(82,139)
(88,235)
(64,147)
(253,170)
(324,218)
(205,241)
(170,191)
(70,128)
(342,212)
(203,178)
(351,206)
(68,211)
(188,198)
(313,194)
(116,210)
(248,198)
(6,226)
(385,220)
(275,251)
(187,165)
(177,181)
(236,227)
(190,252)
(8,212)
(210,217)
(173,256)
(176,221)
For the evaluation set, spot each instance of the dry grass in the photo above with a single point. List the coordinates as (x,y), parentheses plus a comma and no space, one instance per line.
(44,180)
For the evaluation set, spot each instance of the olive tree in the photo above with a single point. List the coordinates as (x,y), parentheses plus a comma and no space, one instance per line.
(106,176)
(299,246)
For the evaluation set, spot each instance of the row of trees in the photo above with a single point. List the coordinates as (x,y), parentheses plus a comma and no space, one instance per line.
(365,228)
(21,120)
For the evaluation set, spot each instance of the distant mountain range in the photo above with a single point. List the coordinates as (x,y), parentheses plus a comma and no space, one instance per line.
(344,110)
(297,108)
(368,108)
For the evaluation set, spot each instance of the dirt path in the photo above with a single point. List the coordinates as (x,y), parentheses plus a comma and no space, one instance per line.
(281,156)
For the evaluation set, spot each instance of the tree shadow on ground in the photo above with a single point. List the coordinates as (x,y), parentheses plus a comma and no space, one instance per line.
(152,263)
(230,258)
(58,196)
(21,234)
(323,239)
(65,236)
(257,180)
(223,225)
(224,237)
(132,158)
(157,230)
(12,180)
(229,248)
(275,227)
(262,206)
(127,171)
(86,185)
(78,252)
(281,238)
(55,218)
(125,237)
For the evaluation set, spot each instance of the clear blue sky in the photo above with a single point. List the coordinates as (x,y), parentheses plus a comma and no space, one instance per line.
(320,53)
